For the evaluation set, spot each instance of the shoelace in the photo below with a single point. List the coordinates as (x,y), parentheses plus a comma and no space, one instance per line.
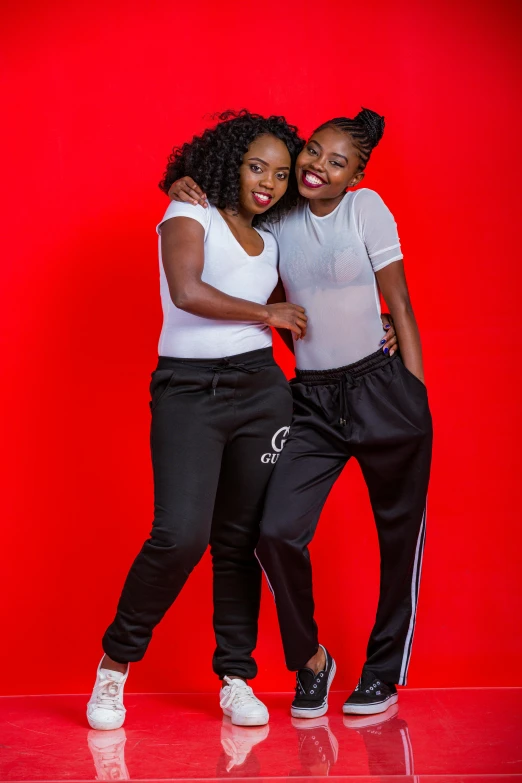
(108,693)
(110,761)
(112,756)
(239,693)
(237,755)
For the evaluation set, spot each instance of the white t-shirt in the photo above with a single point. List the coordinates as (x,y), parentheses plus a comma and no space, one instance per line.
(229,268)
(327,265)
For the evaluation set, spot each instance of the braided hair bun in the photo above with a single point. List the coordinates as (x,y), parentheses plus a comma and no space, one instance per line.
(373,124)
(365,130)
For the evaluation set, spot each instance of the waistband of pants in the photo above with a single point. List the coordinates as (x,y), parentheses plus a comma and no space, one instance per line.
(249,363)
(251,360)
(356,370)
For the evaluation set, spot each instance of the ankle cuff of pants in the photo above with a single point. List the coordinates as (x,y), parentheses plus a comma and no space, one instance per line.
(246,670)
(236,673)
(387,676)
(120,653)
(294,667)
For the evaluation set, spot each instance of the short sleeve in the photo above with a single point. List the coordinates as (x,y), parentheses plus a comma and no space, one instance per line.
(194,211)
(377,228)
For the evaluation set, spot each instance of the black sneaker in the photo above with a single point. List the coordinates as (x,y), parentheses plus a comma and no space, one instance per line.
(311,690)
(371,696)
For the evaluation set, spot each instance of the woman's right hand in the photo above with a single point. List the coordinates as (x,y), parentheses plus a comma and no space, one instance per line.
(186,190)
(285,315)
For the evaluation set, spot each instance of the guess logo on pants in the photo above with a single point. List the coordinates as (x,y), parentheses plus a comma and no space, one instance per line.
(278,442)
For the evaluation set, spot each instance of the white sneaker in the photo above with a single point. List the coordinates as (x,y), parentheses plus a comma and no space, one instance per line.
(108,753)
(238,702)
(237,741)
(105,710)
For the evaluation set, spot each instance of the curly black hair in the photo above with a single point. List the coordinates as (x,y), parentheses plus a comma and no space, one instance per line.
(213,159)
(366,130)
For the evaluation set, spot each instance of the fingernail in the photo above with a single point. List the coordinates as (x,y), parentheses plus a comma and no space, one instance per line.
(386,350)
(382,342)
(386,326)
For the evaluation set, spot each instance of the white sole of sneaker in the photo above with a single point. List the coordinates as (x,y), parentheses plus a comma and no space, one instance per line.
(100,726)
(247,720)
(370,709)
(316,712)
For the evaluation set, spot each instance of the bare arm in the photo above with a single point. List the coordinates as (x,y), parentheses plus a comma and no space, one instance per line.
(392,282)
(182,251)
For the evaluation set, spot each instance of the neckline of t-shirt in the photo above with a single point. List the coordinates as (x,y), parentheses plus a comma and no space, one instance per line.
(240,246)
(323,217)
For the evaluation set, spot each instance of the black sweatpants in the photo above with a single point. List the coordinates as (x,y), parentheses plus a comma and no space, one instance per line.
(377,411)
(217,430)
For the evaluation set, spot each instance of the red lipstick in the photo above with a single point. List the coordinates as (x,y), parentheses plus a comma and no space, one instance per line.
(311,180)
(263,199)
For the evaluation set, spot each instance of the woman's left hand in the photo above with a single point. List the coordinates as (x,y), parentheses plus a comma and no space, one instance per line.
(389,342)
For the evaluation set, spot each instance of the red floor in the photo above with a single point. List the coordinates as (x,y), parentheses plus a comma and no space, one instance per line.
(444,736)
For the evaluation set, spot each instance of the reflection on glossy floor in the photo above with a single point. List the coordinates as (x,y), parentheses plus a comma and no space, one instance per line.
(448,735)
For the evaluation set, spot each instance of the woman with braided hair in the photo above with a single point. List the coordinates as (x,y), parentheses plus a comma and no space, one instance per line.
(337,249)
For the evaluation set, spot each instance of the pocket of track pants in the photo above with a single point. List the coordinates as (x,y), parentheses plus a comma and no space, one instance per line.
(413,378)
(161,382)
(416,399)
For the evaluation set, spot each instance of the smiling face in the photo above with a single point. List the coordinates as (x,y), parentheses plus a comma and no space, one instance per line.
(328,164)
(263,175)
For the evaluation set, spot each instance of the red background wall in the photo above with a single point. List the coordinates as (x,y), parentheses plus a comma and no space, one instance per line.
(95,95)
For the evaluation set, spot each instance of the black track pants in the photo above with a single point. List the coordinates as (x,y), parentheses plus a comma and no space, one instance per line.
(376,411)
(217,428)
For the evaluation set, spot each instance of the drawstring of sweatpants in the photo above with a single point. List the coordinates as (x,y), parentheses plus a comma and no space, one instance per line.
(228,365)
(346,382)
(345,378)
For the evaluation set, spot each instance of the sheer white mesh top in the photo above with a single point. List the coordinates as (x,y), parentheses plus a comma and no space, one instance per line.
(327,265)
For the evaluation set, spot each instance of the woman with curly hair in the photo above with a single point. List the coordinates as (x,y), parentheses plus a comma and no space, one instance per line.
(338,248)
(220,404)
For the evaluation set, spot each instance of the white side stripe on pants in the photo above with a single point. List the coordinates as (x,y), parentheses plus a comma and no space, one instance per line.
(266,576)
(415,583)
(409,766)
